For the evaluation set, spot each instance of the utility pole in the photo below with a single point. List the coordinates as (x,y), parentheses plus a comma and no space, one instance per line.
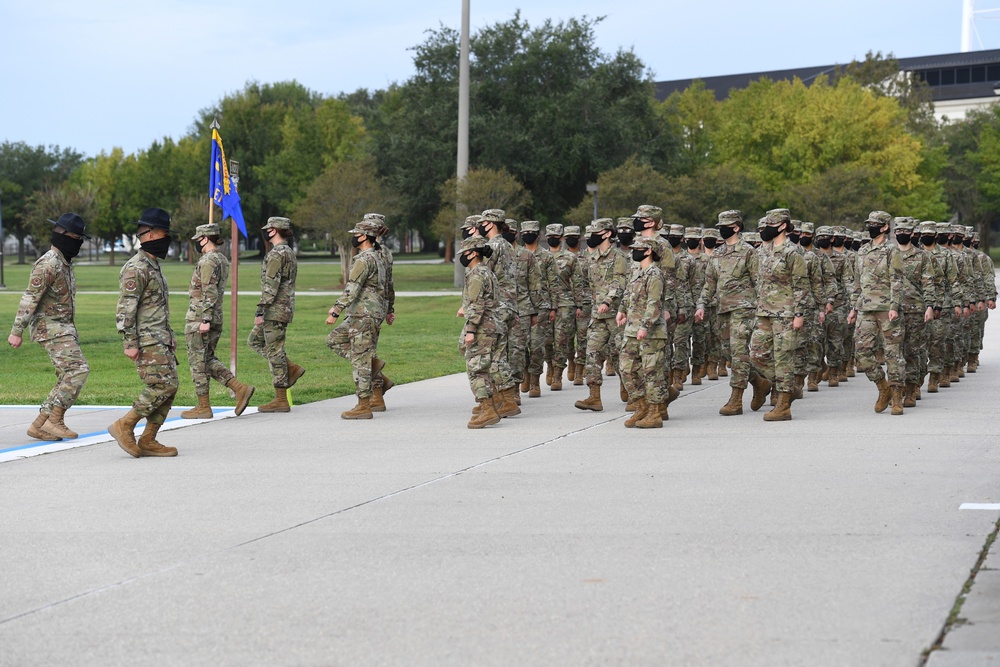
(463,131)
(2,286)
(592,187)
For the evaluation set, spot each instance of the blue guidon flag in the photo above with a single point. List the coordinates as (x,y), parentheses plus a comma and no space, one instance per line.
(221,188)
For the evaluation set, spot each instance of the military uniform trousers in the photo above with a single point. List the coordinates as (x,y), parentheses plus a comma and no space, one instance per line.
(536,343)
(914,347)
(503,376)
(478,361)
(563,335)
(701,334)
(642,363)
(71,371)
(201,357)
(735,330)
(355,339)
(602,335)
(268,340)
(682,344)
(835,331)
(873,331)
(157,368)
(937,336)
(518,345)
(808,354)
(582,334)
(772,351)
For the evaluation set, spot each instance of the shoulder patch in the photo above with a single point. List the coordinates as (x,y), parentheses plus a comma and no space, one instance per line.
(36,281)
(130,285)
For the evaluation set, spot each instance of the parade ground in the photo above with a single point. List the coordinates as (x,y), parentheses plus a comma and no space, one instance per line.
(558,537)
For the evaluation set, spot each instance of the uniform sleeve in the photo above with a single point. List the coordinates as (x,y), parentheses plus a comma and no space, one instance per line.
(711,284)
(390,287)
(586,294)
(616,289)
(132,283)
(654,302)
(816,282)
(800,279)
(475,310)
(38,283)
(576,285)
(928,289)
(270,279)
(211,291)
(360,270)
(952,278)
(534,282)
(896,274)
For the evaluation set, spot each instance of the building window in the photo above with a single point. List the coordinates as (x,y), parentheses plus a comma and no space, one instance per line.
(948,77)
(979,74)
(933,77)
(962,75)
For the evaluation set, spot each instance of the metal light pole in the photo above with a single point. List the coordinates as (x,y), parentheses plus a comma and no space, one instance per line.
(2,286)
(592,187)
(463,128)
(234,274)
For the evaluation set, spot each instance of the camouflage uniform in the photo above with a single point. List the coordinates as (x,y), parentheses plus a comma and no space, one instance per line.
(578,344)
(276,305)
(835,324)
(960,325)
(783,285)
(713,346)
(363,307)
(643,307)
(541,331)
(47,310)
(546,326)
(143,319)
(206,293)
(700,331)
(525,338)
(504,267)
(480,304)
(988,279)
(378,379)
(821,292)
(879,289)
(566,292)
(731,287)
(684,264)
(950,296)
(919,294)
(607,273)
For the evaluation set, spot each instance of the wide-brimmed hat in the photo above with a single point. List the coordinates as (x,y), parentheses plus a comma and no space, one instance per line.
(156,218)
(71,222)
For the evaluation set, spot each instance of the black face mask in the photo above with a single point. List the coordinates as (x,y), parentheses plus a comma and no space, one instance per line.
(465,260)
(482,229)
(709,243)
(529,238)
(356,241)
(903,239)
(572,241)
(769,233)
(638,254)
(943,239)
(927,239)
(67,245)
(727,232)
(625,237)
(201,245)
(824,244)
(553,242)
(693,244)
(510,237)
(594,240)
(794,238)
(967,243)
(638,225)
(805,241)
(466,232)
(874,230)
(675,241)
(157,247)
(857,245)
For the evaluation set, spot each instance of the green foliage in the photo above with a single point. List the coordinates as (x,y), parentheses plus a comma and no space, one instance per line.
(481,189)
(620,191)
(697,200)
(690,117)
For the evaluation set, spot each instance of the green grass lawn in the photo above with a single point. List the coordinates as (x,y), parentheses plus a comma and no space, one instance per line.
(421,344)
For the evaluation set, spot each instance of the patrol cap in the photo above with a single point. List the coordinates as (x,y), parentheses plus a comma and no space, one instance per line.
(880,217)
(378,217)
(554,229)
(857,235)
(732,217)
(645,242)
(366,227)
(752,237)
(624,223)
(824,230)
(840,230)
(807,228)
(155,218)
(942,228)
(711,233)
(529,226)
(472,221)
(903,223)
(865,236)
(473,243)
(958,230)
(494,215)
(926,227)
(602,224)
(761,222)
(571,230)
(589,229)
(797,225)
(776,216)
(210,229)
(71,222)
(969,230)
(692,232)
(649,211)
(281,224)
(676,230)
(511,224)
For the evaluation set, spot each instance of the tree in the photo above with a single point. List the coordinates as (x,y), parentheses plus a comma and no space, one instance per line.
(972,148)
(690,117)
(696,200)
(842,195)
(620,191)
(110,175)
(25,170)
(881,75)
(338,199)
(50,203)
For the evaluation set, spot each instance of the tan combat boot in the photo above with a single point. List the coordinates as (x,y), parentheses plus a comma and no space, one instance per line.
(813,382)
(640,412)
(363,410)
(661,408)
(504,404)
(279,404)
(37,428)
(123,431)
(761,388)
(672,395)
(944,380)
(682,376)
(549,372)
(653,417)
(722,366)
(525,384)
(674,379)
(579,377)
(202,411)
(884,394)
(534,386)
(56,426)
(243,393)
(782,410)
(593,402)
(486,415)
(735,404)
(570,370)
(824,373)
(932,383)
(713,370)
(960,369)
(896,398)
(622,393)
(609,370)
(378,400)
(849,371)
(956,373)
(798,386)
(696,375)
(556,383)
(833,376)
(910,395)
(148,446)
(295,372)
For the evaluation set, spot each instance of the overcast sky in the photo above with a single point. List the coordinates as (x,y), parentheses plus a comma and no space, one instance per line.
(95,74)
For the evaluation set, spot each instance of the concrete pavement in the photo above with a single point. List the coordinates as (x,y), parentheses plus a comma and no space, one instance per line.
(557,537)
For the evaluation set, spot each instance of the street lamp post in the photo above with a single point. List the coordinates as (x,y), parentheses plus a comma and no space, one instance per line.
(2,286)
(592,187)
